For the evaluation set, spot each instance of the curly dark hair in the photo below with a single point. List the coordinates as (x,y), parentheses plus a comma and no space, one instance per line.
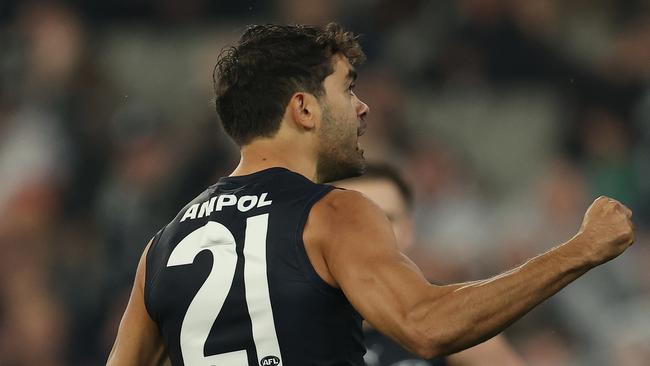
(255,78)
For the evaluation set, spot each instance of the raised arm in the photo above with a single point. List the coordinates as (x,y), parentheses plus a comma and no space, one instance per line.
(138,340)
(352,246)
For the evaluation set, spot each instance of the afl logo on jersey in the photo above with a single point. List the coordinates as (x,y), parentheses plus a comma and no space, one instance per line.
(270,361)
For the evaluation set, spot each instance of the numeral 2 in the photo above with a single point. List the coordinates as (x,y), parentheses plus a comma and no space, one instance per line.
(208,301)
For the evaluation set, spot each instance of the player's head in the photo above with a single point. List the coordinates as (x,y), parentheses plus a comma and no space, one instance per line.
(383,184)
(302,75)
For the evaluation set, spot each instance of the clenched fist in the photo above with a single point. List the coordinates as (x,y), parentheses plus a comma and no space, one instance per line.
(606,230)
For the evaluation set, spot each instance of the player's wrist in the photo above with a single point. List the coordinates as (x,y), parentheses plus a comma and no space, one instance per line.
(579,254)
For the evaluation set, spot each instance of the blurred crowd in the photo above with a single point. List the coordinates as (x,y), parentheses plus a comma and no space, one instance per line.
(507,116)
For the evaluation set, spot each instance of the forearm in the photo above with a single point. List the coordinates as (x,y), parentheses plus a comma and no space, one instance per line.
(467,314)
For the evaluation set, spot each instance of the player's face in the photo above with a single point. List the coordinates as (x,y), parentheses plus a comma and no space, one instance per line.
(343,114)
(387,196)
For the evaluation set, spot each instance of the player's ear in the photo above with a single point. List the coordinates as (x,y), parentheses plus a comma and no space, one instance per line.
(304,110)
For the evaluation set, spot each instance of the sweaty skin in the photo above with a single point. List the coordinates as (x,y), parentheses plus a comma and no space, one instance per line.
(386,194)
(351,244)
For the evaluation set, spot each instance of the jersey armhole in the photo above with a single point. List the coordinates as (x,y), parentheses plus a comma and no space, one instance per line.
(150,278)
(303,259)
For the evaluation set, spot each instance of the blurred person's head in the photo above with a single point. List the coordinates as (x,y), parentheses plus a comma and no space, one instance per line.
(437,171)
(55,41)
(607,141)
(307,11)
(563,192)
(384,185)
(534,17)
(630,56)
(482,12)
(604,134)
(143,154)
(295,84)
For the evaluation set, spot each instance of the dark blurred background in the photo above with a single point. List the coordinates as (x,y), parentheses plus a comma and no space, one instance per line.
(508,116)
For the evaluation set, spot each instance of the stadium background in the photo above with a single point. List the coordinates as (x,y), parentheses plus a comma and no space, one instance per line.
(508,117)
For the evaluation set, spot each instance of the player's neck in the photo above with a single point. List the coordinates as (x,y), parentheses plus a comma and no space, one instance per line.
(264,154)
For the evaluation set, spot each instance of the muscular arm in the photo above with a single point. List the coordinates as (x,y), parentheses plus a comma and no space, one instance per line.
(359,255)
(138,339)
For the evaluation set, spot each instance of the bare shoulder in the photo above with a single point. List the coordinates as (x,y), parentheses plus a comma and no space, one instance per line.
(341,225)
(341,208)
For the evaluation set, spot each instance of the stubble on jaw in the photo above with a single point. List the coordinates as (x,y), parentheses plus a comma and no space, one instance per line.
(337,159)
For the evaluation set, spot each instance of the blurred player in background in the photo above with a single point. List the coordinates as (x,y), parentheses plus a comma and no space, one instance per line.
(384,185)
(271,267)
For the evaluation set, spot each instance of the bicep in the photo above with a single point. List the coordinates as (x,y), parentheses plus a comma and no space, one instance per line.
(138,340)
(384,290)
(383,285)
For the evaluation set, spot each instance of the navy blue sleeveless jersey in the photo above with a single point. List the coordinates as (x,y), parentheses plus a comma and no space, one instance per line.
(229,283)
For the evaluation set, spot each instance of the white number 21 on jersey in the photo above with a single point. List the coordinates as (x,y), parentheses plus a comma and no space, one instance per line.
(206,305)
